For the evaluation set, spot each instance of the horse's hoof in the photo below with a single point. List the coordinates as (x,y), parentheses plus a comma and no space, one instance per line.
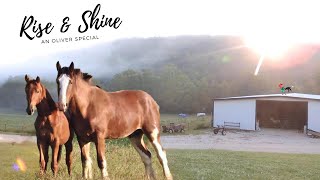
(169,177)
(106,178)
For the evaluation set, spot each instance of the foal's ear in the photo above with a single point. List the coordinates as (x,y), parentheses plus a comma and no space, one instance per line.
(58,66)
(26,77)
(38,79)
(71,67)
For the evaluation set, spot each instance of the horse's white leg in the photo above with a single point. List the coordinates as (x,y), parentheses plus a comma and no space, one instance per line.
(155,140)
(102,163)
(86,160)
(138,143)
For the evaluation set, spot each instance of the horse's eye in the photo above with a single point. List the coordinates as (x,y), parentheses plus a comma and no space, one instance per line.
(70,82)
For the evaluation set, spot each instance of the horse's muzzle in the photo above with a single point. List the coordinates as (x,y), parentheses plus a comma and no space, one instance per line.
(63,107)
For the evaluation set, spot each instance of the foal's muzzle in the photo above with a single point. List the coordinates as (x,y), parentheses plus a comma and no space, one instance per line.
(30,110)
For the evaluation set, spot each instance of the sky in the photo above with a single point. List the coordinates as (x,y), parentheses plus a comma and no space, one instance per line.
(267,25)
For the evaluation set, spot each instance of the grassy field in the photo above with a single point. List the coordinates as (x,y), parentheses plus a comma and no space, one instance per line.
(124,163)
(17,123)
(23,124)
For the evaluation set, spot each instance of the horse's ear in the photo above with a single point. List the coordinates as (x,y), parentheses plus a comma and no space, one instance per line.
(38,79)
(58,66)
(26,77)
(71,67)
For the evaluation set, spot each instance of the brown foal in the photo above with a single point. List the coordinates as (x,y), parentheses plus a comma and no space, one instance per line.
(52,126)
(97,115)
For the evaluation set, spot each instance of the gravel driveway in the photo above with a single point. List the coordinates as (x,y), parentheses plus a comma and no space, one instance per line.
(266,140)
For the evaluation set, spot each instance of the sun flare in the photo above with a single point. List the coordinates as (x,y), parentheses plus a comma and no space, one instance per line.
(272,48)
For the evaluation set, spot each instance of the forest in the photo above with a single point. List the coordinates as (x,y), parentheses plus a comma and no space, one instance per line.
(184,74)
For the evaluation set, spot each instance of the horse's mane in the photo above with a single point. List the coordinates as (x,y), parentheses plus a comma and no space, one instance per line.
(85,76)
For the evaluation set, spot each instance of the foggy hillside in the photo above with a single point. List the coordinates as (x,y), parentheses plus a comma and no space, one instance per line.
(182,73)
(107,59)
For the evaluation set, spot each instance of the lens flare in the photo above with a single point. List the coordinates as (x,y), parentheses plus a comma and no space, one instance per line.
(19,165)
(259,65)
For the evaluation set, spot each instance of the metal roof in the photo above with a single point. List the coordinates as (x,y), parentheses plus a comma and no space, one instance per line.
(290,95)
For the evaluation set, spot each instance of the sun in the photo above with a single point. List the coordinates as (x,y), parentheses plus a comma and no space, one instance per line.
(269,46)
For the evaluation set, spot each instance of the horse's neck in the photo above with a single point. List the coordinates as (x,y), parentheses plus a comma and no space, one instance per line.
(81,100)
(47,104)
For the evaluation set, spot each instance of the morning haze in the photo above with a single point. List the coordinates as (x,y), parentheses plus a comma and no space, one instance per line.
(183,73)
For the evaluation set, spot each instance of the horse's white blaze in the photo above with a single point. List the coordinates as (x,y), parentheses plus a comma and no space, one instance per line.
(64,82)
(161,153)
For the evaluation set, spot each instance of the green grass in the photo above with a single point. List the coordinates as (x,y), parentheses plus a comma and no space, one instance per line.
(124,163)
(23,124)
(214,164)
(16,123)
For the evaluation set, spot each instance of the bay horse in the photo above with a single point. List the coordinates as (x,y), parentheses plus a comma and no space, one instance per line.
(98,115)
(52,126)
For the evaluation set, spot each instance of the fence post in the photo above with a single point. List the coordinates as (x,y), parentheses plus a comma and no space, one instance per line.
(5,127)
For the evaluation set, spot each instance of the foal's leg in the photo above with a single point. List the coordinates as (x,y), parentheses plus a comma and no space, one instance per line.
(69,149)
(59,153)
(154,137)
(54,162)
(86,159)
(102,163)
(42,161)
(137,142)
(46,155)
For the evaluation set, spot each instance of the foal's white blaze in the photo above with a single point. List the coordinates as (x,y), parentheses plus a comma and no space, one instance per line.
(64,82)
(161,153)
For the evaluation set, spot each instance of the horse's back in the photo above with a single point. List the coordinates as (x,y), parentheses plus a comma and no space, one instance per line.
(137,106)
(131,98)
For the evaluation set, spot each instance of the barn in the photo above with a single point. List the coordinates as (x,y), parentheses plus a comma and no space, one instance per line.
(290,111)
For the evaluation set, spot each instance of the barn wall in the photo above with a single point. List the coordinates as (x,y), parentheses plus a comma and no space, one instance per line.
(313,115)
(241,110)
